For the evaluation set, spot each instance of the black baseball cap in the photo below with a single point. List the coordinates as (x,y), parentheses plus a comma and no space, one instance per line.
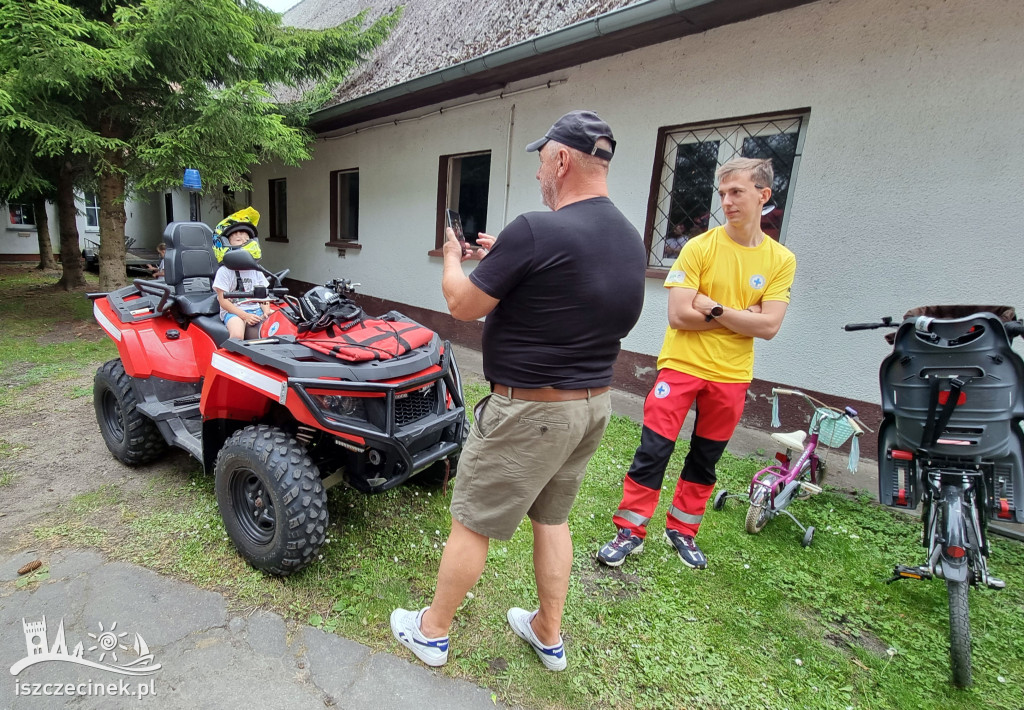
(580,130)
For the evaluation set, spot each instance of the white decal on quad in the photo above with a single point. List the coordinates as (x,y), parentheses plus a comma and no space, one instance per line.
(276,388)
(105,322)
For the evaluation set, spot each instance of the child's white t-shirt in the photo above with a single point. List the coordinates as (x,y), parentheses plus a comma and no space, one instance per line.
(227,280)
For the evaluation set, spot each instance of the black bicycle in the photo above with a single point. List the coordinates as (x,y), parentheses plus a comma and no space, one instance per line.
(951,441)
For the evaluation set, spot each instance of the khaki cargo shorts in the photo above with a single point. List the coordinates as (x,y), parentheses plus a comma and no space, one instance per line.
(525,459)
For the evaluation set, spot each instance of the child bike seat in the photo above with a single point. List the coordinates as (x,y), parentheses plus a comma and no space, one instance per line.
(791,440)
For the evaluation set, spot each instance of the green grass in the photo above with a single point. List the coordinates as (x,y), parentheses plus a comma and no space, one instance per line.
(770,624)
(45,333)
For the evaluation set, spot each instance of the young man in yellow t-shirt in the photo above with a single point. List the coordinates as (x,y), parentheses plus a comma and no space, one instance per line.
(727,287)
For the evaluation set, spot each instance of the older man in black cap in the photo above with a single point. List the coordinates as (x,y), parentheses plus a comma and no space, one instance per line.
(560,290)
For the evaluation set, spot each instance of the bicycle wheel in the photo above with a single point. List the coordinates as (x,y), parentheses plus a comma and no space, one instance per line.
(959,633)
(759,512)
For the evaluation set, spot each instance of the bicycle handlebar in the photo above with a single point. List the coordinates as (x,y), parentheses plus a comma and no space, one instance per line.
(849,412)
(886,322)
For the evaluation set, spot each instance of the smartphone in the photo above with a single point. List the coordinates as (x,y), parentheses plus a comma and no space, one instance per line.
(454,222)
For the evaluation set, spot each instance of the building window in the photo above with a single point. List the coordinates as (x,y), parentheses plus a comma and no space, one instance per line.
(22,215)
(344,206)
(279,209)
(463,184)
(684,198)
(169,206)
(92,211)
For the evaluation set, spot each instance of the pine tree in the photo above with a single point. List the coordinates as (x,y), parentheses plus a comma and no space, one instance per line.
(146,88)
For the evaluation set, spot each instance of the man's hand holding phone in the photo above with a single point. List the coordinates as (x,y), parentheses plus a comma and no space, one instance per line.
(454,235)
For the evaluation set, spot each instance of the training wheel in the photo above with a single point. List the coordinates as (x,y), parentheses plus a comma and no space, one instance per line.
(720,497)
(808,536)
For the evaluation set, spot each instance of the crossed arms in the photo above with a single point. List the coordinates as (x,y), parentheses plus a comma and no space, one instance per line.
(687,310)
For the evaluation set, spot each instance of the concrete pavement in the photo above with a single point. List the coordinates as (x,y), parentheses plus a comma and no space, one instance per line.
(202,655)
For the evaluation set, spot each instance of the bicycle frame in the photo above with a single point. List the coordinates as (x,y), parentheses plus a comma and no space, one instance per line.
(773,487)
(954,532)
(787,473)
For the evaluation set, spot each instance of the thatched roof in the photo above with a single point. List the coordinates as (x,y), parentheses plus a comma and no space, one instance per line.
(434,34)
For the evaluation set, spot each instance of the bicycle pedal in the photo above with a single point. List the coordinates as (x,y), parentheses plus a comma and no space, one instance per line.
(810,488)
(904,572)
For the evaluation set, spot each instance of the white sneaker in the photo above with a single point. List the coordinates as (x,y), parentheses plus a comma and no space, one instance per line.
(553,657)
(405,625)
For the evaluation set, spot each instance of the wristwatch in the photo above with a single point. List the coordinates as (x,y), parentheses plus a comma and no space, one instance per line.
(716,311)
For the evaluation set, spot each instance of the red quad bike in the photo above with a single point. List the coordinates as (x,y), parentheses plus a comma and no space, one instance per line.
(323,395)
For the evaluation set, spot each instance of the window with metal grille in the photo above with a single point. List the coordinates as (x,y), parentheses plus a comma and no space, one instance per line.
(684,199)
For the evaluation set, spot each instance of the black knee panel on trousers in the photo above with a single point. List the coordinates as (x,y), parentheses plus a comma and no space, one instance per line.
(699,466)
(650,459)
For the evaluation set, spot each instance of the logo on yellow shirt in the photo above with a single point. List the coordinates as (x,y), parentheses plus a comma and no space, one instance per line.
(757,282)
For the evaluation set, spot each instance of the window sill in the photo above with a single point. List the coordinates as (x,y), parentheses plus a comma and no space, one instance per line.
(280,240)
(656,272)
(440,252)
(344,245)
(21,227)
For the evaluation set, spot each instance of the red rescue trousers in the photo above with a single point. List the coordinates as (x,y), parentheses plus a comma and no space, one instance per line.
(719,406)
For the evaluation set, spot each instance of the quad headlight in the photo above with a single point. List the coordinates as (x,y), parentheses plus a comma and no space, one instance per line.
(341,405)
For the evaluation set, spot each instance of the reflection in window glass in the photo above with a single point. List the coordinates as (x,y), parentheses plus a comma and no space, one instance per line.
(468,184)
(22,214)
(687,203)
(279,209)
(345,206)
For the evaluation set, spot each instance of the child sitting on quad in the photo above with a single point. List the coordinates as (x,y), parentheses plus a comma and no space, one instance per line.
(238,313)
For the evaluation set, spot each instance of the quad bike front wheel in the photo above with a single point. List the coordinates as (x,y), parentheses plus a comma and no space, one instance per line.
(271,499)
(759,512)
(130,435)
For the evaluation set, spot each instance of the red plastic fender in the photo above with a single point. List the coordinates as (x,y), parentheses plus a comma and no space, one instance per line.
(146,350)
(234,388)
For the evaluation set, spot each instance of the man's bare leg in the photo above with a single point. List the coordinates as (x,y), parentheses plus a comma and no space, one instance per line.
(552,563)
(461,566)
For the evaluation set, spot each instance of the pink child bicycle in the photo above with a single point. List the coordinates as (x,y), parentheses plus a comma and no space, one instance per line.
(799,471)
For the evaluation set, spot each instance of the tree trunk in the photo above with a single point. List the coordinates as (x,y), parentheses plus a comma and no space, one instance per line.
(46,261)
(73,278)
(112,219)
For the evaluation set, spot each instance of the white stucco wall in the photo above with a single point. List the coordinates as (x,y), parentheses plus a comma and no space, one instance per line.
(21,239)
(144,223)
(908,189)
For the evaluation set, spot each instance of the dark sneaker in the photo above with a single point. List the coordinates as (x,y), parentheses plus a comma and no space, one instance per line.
(687,548)
(625,544)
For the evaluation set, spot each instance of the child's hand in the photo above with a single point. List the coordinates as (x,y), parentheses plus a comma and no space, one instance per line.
(252,318)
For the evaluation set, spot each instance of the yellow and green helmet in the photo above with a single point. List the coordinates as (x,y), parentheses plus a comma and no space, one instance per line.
(242,220)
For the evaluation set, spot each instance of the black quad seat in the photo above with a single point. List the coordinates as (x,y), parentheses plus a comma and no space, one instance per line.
(189,267)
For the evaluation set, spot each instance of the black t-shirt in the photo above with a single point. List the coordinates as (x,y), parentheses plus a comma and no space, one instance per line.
(570,286)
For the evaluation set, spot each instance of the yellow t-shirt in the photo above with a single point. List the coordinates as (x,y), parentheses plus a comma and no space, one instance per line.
(737,277)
